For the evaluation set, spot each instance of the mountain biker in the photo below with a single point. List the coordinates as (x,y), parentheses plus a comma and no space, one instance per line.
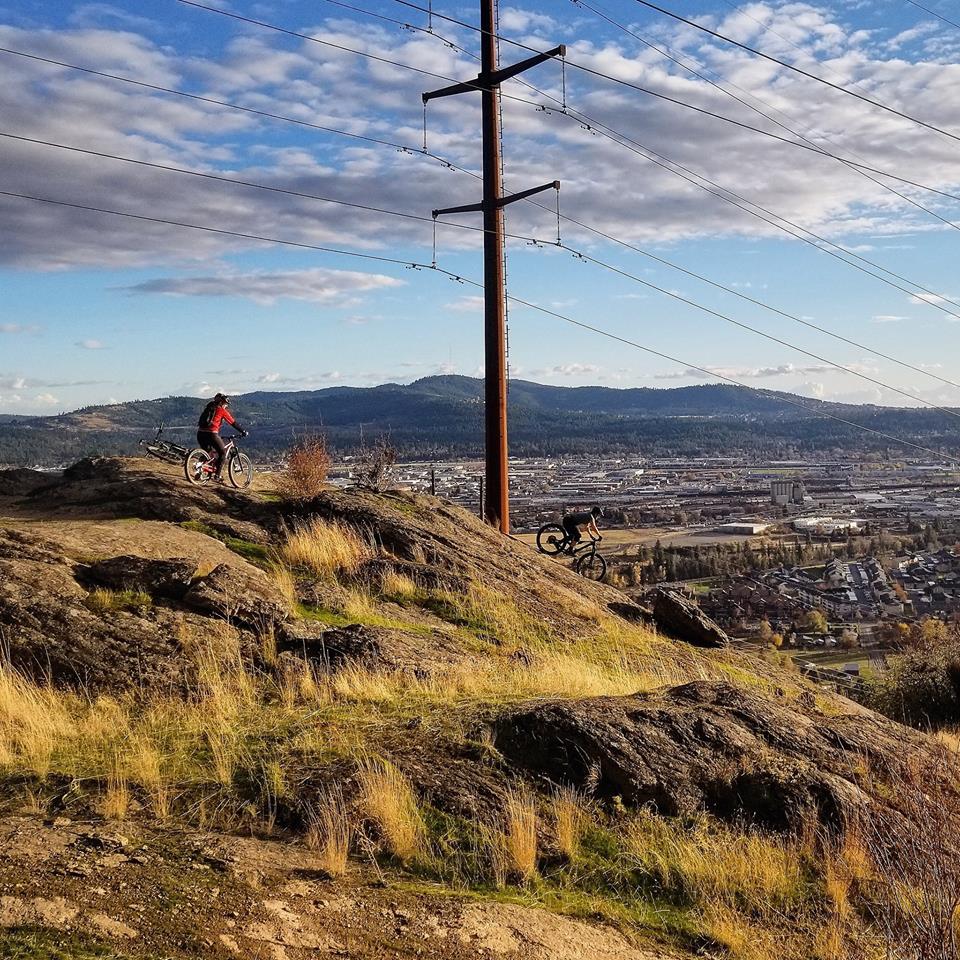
(208,429)
(587,519)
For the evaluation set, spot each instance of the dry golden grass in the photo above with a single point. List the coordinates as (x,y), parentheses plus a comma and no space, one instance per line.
(115,803)
(569,820)
(330,832)
(389,801)
(398,586)
(517,840)
(284,580)
(34,720)
(306,472)
(710,864)
(324,548)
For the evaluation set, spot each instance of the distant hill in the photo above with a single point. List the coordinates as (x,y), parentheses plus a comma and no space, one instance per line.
(443,417)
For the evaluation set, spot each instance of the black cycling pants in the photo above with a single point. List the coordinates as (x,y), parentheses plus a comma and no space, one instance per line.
(213,443)
(571,530)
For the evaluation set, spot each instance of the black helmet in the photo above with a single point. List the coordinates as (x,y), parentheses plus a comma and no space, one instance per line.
(596,511)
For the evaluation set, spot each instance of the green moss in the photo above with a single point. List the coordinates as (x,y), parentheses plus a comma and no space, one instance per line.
(255,553)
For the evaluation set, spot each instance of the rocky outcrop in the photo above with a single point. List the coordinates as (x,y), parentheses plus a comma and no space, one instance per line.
(331,648)
(682,619)
(708,745)
(158,578)
(244,597)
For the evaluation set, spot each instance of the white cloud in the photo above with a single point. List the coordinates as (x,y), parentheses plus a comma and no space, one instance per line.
(567,370)
(887,318)
(317,285)
(90,344)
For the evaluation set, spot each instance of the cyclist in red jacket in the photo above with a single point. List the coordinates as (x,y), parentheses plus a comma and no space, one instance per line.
(208,430)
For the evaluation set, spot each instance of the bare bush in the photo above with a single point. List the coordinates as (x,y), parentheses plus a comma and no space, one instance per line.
(375,465)
(306,473)
(915,849)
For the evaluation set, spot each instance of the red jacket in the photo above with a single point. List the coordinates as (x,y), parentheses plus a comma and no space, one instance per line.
(216,419)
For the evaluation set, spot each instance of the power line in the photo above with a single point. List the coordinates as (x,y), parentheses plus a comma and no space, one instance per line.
(579,254)
(795,69)
(338,46)
(574,114)
(782,398)
(809,147)
(592,124)
(749,299)
(933,13)
(213,101)
(533,240)
(415,217)
(861,170)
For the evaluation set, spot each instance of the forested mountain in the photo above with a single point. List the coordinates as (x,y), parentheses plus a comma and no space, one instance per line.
(443,416)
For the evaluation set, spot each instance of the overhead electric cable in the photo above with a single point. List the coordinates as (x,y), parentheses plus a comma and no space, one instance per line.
(338,46)
(512,236)
(937,301)
(213,101)
(580,255)
(780,398)
(933,13)
(812,148)
(795,69)
(861,170)
(809,147)
(573,114)
(415,217)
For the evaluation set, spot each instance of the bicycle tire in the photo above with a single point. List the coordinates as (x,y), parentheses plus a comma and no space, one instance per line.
(240,471)
(192,464)
(592,566)
(551,539)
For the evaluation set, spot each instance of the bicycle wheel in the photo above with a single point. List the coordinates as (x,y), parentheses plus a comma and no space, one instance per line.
(240,470)
(193,466)
(592,566)
(551,538)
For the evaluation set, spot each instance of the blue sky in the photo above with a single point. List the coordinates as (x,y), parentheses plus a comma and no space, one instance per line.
(96,308)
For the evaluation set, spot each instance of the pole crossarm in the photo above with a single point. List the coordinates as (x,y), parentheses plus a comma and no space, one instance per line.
(489,81)
(500,202)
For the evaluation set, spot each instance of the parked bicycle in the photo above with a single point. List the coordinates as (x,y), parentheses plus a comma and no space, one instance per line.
(199,466)
(553,540)
(164,450)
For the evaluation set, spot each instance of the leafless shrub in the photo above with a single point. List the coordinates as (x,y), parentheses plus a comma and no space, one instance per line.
(307,467)
(915,847)
(375,465)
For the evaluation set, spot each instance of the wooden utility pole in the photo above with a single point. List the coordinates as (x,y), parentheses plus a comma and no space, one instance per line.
(497,504)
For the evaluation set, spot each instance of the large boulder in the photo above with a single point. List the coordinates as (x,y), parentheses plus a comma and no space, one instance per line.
(708,745)
(246,597)
(330,648)
(682,619)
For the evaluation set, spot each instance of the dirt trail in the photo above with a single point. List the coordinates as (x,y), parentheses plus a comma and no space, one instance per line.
(149,892)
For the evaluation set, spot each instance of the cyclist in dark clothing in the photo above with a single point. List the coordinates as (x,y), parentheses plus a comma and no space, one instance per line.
(572,523)
(208,430)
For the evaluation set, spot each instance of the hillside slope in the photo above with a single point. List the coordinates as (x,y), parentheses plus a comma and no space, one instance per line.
(424,730)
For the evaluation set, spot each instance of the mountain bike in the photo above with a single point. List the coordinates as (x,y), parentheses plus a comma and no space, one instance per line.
(552,540)
(164,450)
(200,467)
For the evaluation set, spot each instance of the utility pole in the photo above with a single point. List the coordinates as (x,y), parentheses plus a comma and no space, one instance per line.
(497,506)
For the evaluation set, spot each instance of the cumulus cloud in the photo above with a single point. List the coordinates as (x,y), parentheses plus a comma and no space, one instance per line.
(604,184)
(754,373)
(316,285)
(887,318)
(90,344)
(567,370)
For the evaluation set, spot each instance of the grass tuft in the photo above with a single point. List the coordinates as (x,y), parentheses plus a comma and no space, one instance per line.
(324,548)
(330,832)
(102,600)
(389,801)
